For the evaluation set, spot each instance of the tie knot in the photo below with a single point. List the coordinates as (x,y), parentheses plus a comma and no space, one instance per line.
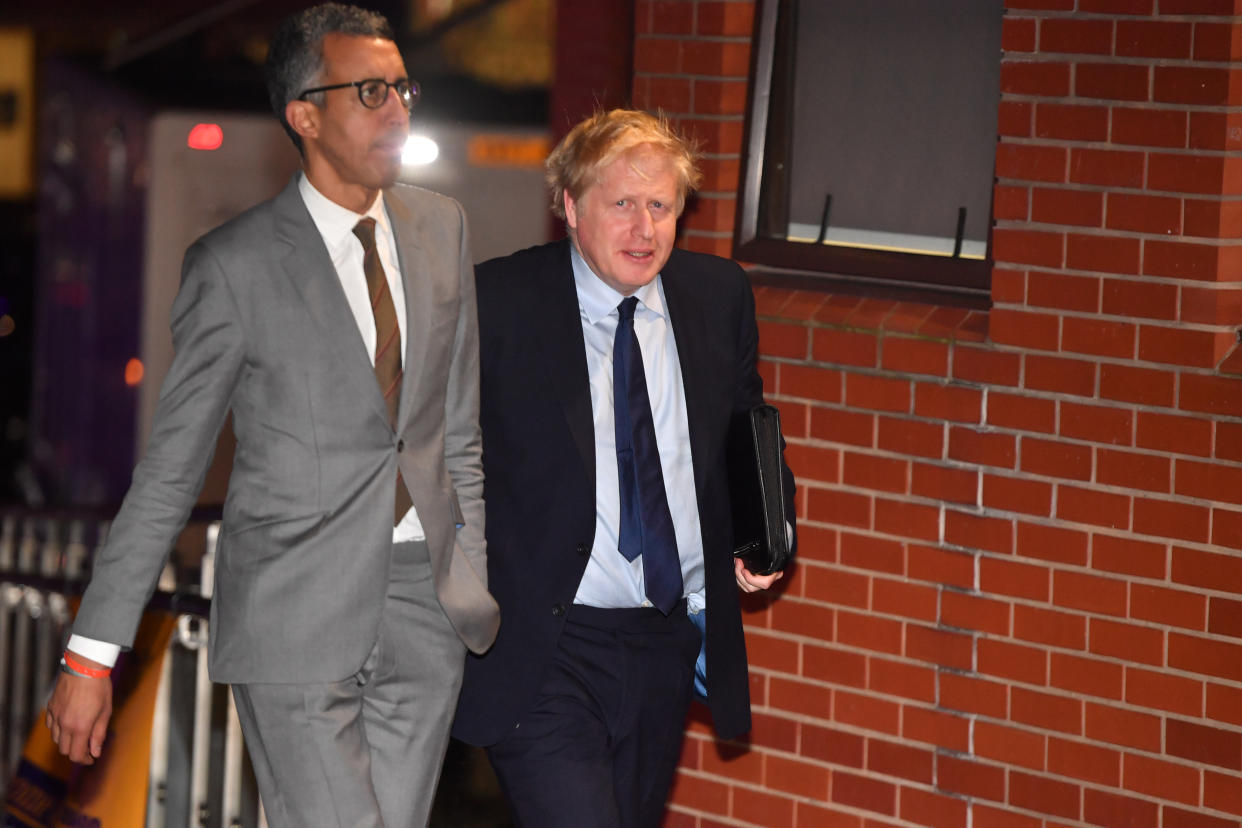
(365,231)
(627,306)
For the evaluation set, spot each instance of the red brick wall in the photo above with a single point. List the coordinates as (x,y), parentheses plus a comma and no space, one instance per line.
(1019,596)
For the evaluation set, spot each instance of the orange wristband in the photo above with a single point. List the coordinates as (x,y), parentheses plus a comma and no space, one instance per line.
(82,669)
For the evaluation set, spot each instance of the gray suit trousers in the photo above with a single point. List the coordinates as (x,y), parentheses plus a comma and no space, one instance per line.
(364,752)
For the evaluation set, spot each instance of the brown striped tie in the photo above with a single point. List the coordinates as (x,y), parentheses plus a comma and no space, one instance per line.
(387,341)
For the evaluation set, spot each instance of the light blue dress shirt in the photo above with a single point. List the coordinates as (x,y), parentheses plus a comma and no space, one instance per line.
(610,581)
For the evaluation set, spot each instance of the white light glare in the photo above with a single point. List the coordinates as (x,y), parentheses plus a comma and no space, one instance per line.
(419,150)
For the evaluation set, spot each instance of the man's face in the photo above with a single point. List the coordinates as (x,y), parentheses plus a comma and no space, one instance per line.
(624,224)
(358,148)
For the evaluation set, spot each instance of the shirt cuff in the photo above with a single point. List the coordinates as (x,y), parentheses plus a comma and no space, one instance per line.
(100,651)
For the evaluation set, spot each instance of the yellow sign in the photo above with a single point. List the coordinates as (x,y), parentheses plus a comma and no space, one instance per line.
(16,112)
(507,151)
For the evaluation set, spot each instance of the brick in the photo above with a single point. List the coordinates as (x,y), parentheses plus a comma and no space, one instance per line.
(1144,213)
(1201,85)
(1158,778)
(796,777)
(672,93)
(1107,168)
(699,792)
(1015,662)
(774,732)
(734,762)
(948,402)
(935,727)
(767,652)
(1107,254)
(878,473)
(1100,424)
(802,618)
(1105,808)
(716,58)
(972,694)
(1181,346)
(1012,494)
(1227,528)
(969,777)
(940,647)
(1084,761)
(761,807)
(1112,81)
(1212,218)
(1225,617)
(1148,128)
(907,436)
(1045,795)
(1044,626)
(809,382)
(876,554)
(987,366)
(1224,704)
(1159,690)
(1210,481)
(1010,745)
(1008,286)
(656,56)
(1185,173)
(1171,607)
(1063,291)
(932,809)
(1098,337)
(813,462)
(940,566)
(1153,39)
(1139,7)
(975,531)
(1025,329)
(1090,37)
(800,697)
(840,347)
(1093,507)
(1043,78)
(1228,441)
(1070,122)
(1126,297)
(864,793)
(1022,412)
(837,586)
(1034,247)
(712,97)
(1222,792)
(1210,395)
(1144,386)
(907,520)
(1054,458)
(1009,202)
(727,19)
(1120,726)
(833,506)
(1183,260)
(1014,119)
(1128,556)
(1202,743)
(837,747)
(779,340)
(984,447)
(866,711)
(1181,818)
(905,599)
(882,635)
(1219,659)
(1019,580)
(1088,676)
(879,393)
(915,356)
(1031,162)
(953,485)
(1174,433)
(974,612)
(1083,208)
(872,312)
(1089,593)
(1207,570)
(1126,641)
(1060,374)
(837,426)
(900,761)
(1211,305)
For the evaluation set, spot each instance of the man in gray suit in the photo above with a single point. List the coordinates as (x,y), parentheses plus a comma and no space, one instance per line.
(337,324)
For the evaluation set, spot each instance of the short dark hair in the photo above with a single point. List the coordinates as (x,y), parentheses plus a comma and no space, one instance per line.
(295,55)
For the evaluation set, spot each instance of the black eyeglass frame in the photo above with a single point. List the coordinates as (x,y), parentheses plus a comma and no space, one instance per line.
(408,99)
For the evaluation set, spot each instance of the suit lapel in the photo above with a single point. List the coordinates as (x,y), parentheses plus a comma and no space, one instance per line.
(414,275)
(561,335)
(308,266)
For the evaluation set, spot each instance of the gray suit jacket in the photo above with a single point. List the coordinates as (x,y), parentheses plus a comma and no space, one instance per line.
(262,328)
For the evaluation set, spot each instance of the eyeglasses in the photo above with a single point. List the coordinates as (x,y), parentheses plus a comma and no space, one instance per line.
(373,92)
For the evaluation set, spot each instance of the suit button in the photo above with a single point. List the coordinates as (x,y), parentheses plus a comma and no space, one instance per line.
(400,446)
(583,549)
(558,610)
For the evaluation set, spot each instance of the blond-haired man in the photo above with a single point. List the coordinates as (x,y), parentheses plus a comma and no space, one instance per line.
(611,365)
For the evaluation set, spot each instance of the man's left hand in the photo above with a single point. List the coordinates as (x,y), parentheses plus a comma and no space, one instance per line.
(749,581)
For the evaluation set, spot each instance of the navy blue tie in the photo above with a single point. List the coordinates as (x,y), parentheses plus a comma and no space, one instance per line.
(646,524)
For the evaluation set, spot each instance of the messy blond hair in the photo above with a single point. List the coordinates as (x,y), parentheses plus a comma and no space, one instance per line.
(599,140)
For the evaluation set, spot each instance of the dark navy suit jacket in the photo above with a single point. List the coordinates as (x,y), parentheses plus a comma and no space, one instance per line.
(539,467)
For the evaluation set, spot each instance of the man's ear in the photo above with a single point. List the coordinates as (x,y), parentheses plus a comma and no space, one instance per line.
(303,116)
(571,209)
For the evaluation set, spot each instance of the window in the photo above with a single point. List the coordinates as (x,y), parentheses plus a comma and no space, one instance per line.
(871,141)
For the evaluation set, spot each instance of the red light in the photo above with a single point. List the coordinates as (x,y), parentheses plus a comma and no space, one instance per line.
(133,372)
(205,137)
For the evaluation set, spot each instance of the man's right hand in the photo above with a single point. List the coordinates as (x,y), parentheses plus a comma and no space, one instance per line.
(78,714)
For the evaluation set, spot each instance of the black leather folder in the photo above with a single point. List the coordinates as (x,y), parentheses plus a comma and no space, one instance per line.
(755,491)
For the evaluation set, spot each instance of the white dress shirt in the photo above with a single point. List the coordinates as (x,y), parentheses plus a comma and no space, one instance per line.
(336,225)
(610,581)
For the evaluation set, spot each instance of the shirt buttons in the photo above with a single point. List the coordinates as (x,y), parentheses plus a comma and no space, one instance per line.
(583,549)
(400,446)
(558,610)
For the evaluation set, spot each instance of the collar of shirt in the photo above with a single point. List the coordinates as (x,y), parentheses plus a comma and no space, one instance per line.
(336,223)
(597,299)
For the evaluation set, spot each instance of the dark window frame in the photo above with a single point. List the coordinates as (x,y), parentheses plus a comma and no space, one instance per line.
(765,152)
